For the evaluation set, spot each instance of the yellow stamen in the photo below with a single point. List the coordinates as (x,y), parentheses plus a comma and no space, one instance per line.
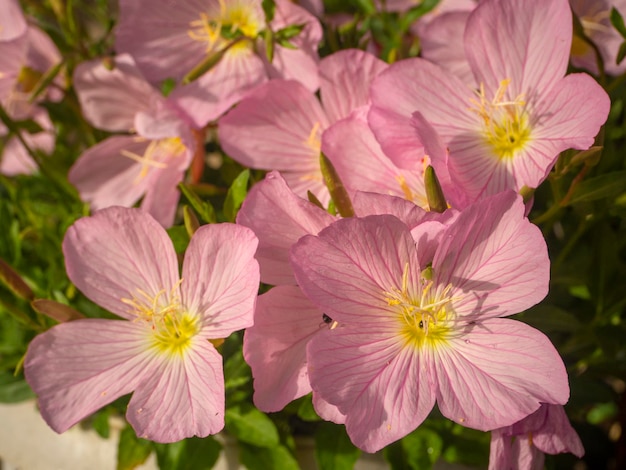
(425,317)
(171,327)
(505,122)
(314,140)
(156,149)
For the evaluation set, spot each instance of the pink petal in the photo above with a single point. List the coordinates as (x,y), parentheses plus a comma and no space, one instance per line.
(238,73)
(381,388)
(345,79)
(78,367)
(495,259)
(221,278)
(365,203)
(161,199)
(105,177)
(557,435)
(496,373)
(117,254)
(527,42)
(279,219)
(362,165)
(12,21)
(275,346)
(404,88)
(183,397)
(111,98)
(349,266)
(271,127)
(42,56)
(442,43)
(157,36)
(326,411)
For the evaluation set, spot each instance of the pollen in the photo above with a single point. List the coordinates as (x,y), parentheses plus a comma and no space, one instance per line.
(424,313)
(504,122)
(171,328)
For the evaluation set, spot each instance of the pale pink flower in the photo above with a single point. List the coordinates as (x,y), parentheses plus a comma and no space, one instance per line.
(169,40)
(150,159)
(23,62)
(418,323)
(12,21)
(280,125)
(507,131)
(285,320)
(595,18)
(523,445)
(123,260)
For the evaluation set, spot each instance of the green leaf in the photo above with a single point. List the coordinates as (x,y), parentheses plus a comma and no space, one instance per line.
(434,193)
(236,194)
(264,458)
(14,389)
(618,22)
(100,423)
(549,318)
(236,371)
(335,187)
(333,448)
(621,53)
(250,425)
(269,8)
(189,454)
(418,450)
(131,450)
(180,238)
(204,209)
(600,187)
(306,411)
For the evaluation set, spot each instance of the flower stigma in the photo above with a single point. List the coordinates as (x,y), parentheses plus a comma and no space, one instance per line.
(425,317)
(171,326)
(505,122)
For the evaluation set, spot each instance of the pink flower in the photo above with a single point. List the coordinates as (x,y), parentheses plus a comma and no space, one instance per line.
(285,320)
(148,163)
(507,131)
(595,18)
(280,125)
(123,260)
(523,444)
(169,40)
(23,62)
(419,323)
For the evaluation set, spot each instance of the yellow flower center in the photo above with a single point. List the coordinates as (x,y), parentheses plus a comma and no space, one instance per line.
(155,153)
(505,122)
(233,20)
(171,326)
(424,317)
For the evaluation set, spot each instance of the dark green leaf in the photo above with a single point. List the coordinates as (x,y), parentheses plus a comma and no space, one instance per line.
(100,423)
(306,411)
(333,448)
(250,425)
(618,22)
(335,187)
(180,238)
(13,389)
(132,451)
(189,454)
(418,450)
(274,458)
(236,194)
(203,208)
(269,8)
(600,187)
(621,53)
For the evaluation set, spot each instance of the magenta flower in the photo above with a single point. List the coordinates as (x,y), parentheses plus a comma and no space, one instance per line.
(123,260)
(507,131)
(524,444)
(420,323)
(150,159)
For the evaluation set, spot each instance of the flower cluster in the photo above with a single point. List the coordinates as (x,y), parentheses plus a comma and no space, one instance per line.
(390,231)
